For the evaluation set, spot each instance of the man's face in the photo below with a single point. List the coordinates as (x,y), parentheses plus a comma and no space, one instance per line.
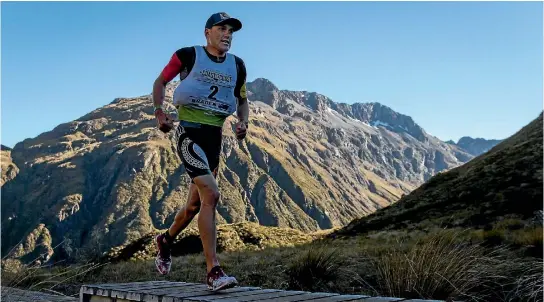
(220,37)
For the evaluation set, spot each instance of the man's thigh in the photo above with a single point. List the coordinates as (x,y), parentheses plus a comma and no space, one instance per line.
(200,157)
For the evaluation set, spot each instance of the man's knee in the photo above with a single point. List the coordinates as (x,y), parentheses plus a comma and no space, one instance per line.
(193,209)
(212,197)
(209,191)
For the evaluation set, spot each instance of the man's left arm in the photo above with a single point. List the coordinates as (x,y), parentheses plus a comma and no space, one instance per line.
(243,107)
(242,111)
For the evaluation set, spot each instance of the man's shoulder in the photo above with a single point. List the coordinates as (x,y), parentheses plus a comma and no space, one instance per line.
(239,63)
(186,50)
(238,59)
(186,55)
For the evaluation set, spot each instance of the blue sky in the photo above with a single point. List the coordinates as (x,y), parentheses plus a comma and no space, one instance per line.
(457,68)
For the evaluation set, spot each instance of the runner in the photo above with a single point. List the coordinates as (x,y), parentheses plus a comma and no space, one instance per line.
(212,87)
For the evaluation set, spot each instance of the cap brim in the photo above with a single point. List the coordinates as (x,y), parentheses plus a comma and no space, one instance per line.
(235,23)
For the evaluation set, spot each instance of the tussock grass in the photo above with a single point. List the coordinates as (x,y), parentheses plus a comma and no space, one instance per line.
(528,238)
(53,278)
(529,285)
(444,264)
(315,269)
(437,267)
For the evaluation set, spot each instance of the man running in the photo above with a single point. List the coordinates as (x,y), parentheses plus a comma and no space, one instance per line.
(212,87)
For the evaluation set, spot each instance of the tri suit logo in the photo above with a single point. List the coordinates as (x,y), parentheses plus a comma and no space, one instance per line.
(209,75)
(207,103)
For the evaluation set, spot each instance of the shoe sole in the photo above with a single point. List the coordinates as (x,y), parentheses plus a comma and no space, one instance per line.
(224,286)
(157,266)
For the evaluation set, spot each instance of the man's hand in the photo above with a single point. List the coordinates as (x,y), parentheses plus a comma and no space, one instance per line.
(164,123)
(241,130)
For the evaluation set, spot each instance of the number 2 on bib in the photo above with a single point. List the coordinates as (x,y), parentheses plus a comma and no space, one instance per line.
(214,90)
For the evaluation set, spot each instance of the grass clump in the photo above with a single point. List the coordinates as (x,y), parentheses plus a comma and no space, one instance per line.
(315,269)
(435,267)
(442,264)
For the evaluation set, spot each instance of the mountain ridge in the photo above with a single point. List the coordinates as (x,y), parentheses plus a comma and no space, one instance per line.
(9,169)
(368,113)
(504,183)
(475,146)
(110,177)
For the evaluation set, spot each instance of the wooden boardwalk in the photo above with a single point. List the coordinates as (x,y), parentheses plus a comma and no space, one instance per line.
(166,291)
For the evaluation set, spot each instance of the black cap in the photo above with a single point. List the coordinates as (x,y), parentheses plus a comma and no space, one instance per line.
(223,18)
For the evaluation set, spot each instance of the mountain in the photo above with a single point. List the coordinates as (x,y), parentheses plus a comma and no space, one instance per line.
(371,114)
(505,182)
(363,128)
(110,177)
(475,146)
(9,169)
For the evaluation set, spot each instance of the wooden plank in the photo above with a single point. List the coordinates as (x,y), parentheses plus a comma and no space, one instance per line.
(102,292)
(129,284)
(120,294)
(193,287)
(148,286)
(105,290)
(341,298)
(198,296)
(98,299)
(381,299)
(238,295)
(171,296)
(227,294)
(168,289)
(304,297)
(86,290)
(106,299)
(421,300)
(262,296)
(99,291)
(150,293)
(141,285)
(139,291)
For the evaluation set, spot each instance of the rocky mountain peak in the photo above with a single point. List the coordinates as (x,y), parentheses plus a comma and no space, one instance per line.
(466,140)
(262,84)
(317,102)
(385,116)
(475,146)
(299,102)
(263,90)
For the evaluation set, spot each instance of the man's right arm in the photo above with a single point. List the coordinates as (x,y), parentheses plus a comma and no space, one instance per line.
(170,71)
